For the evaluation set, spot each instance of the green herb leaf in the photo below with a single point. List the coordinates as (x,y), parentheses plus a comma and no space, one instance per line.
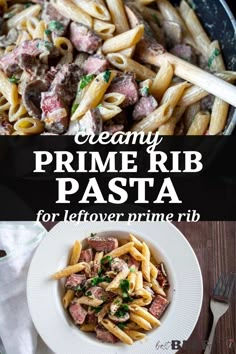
(215,54)
(98,280)
(55,26)
(77,288)
(107,259)
(96,309)
(121,325)
(100,105)
(156,19)
(92,235)
(13,79)
(85,80)
(106,75)
(48,32)
(132,270)
(100,272)
(28,4)
(124,285)
(42,45)
(88,293)
(74,107)
(128,299)
(145,91)
(123,309)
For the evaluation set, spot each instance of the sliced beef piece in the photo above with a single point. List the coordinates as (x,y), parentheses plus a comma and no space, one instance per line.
(104,335)
(91,318)
(75,280)
(55,115)
(186,52)
(125,84)
(51,73)
(117,124)
(158,306)
(131,261)
(9,38)
(10,62)
(161,277)
(84,38)
(56,102)
(31,97)
(91,123)
(95,64)
(5,127)
(86,255)
(32,65)
(105,244)
(78,313)
(97,292)
(57,23)
(117,265)
(144,107)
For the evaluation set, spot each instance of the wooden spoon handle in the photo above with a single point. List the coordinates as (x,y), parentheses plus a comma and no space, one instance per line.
(196,76)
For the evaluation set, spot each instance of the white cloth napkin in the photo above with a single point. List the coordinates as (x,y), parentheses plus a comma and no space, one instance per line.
(17,332)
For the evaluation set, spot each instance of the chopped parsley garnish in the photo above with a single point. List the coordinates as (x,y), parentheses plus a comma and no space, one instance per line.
(192,5)
(156,19)
(13,80)
(92,235)
(124,285)
(106,75)
(28,4)
(123,309)
(98,280)
(107,259)
(88,293)
(100,272)
(128,299)
(145,91)
(42,45)
(117,302)
(55,26)
(9,15)
(121,325)
(48,32)
(85,81)
(100,105)
(215,54)
(77,288)
(97,309)
(132,270)
(74,107)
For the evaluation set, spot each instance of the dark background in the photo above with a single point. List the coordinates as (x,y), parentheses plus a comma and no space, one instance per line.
(232,5)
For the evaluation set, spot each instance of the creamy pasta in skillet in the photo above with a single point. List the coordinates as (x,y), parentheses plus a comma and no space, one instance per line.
(115,289)
(77,65)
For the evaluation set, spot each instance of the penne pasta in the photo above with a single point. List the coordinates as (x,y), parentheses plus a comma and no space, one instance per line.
(124,40)
(67,298)
(157,288)
(75,253)
(85,300)
(29,126)
(22,16)
(69,270)
(139,281)
(219,115)
(137,243)
(94,93)
(126,64)
(114,98)
(16,112)
(8,90)
(95,9)
(141,322)
(162,80)
(200,124)
(118,15)
(138,310)
(132,281)
(104,29)
(120,251)
(146,268)
(136,254)
(117,332)
(70,10)
(116,281)
(109,111)
(88,327)
(135,335)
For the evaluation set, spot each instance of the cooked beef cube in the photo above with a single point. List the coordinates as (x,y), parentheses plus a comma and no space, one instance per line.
(97,292)
(95,64)
(32,65)
(54,114)
(9,38)
(144,107)
(86,255)
(158,306)
(10,62)
(91,318)
(117,124)
(78,313)
(51,73)
(83,38)
(74,281)
(186,52)
(105,244)
(104,335)
(125,84)
(57,23)
(5,127)
(31,97)
(161,278)
(117,265)
(131,261)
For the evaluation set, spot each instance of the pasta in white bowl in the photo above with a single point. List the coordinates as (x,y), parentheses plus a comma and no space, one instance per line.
(136,325)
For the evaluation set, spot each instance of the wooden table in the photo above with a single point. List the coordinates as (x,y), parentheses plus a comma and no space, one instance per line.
(215,246)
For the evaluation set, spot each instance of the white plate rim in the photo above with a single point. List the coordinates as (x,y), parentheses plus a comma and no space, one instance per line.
(37,304)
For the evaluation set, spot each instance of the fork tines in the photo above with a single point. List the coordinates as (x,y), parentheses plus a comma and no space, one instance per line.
(224,287)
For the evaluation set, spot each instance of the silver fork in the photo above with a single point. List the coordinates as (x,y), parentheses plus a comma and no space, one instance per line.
(220,303)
